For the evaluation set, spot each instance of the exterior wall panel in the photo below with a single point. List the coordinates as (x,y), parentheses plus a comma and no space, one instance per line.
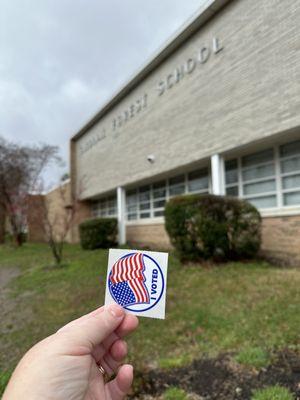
(152,235)
(246,92)
(281,239)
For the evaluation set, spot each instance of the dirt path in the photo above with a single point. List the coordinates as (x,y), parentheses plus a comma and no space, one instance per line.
(7,274)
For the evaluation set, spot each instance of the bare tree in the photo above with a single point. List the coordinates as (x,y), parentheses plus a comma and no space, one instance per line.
(20,172)
(56,213)
(58,221)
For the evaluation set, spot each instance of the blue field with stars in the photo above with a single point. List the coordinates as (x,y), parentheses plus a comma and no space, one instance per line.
(123,294)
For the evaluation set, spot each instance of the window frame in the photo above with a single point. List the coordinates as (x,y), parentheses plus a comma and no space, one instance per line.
(106,211)
(153,210)
(278,177)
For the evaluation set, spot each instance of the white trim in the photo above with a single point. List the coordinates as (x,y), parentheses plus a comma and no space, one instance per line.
(121,215)
(278,177)
(217,174)
(280,212)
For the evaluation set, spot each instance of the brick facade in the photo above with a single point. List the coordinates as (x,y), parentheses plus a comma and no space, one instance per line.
(281,239)
(247,92)
(154,236)
(35,225)
(242,98)
(58,203)
(83,212)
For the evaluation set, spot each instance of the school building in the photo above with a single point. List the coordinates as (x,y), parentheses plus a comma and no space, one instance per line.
(216,110)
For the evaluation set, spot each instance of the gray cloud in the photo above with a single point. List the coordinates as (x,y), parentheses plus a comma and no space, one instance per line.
(62,59)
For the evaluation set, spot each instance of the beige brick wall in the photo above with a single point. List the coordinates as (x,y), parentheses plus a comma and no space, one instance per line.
(83,212)
(280,238)
(154,236)
(248,91)
(35,225)
(57,203)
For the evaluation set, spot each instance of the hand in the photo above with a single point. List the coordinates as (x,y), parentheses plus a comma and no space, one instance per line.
(64,365)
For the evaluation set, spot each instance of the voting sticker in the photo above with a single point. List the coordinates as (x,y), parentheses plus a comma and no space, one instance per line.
(137,281)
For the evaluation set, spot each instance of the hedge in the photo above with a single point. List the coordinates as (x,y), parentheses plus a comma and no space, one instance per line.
(98,233)
(217,227)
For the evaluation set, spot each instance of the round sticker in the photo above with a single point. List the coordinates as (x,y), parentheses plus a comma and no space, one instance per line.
(136,282)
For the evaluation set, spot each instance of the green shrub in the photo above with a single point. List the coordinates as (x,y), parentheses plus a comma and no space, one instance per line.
(272,393)
(208,226)
(98,233)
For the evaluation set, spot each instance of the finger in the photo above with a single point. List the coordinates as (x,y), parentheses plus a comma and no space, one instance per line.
(128,325)
(130,322)
(118,350)
(82,318)
(113,359)
(120,386)
(88,332)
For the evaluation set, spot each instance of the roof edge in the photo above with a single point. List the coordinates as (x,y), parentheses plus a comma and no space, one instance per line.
(204,13)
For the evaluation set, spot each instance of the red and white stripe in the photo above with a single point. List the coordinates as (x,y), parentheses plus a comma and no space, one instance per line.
(130,269)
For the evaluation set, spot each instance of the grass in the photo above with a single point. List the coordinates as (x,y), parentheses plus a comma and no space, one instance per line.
(174,393)
(247,308)
(253,356)
(273,393)
(4,378)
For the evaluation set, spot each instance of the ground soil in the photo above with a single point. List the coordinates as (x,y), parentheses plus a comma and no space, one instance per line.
(12,310)
(7,305)
(223,379)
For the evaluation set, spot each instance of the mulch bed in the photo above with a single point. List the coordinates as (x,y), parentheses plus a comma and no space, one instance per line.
(223,379)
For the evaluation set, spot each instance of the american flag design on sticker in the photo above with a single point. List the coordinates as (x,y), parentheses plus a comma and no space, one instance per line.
(127,281)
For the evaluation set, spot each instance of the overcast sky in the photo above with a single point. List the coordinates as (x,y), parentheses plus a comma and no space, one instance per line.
(61,60)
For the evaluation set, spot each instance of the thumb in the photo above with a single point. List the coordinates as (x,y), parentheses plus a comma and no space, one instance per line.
(92,329)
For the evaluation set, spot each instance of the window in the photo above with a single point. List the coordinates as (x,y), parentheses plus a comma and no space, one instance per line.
(144,202)
(149,201)
(159,192)
(258,179)
(253,178)
(176,185)
(112,206)
(105,207)
(231,178)
(132,204)
(268,178)
(198,181)
(290,173)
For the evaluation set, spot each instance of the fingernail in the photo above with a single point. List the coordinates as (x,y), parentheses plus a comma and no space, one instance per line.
(116,310)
